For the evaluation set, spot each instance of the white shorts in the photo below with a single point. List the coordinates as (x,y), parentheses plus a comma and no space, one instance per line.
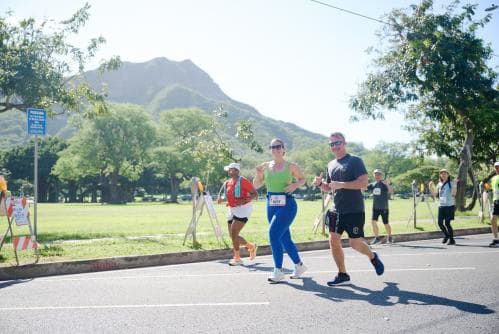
(243,211)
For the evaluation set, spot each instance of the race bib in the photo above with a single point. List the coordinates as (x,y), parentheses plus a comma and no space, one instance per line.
(277,200)
(377,191)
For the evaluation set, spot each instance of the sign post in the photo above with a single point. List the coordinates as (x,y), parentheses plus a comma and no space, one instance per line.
(37,120)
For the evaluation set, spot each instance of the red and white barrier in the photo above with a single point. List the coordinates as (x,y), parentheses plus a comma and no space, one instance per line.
(23,243)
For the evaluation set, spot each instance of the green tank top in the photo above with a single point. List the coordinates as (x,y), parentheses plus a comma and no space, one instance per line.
(277,181)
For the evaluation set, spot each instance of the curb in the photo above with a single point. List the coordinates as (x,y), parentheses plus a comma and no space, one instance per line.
(127,262)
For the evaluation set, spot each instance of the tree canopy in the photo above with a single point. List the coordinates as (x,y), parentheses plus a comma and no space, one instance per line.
(434,70)
(39,68)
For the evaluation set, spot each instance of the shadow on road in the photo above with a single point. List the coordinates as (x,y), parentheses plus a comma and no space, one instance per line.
(5,284)
(391,295)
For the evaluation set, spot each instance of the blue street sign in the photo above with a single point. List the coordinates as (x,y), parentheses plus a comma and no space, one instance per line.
(37,120)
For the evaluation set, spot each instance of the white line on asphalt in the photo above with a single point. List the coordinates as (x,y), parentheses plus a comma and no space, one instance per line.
(408,254)
(235,274)
(89,307)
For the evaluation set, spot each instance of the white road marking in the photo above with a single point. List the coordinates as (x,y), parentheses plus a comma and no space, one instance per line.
(252,273)
(444,252)
(90,307)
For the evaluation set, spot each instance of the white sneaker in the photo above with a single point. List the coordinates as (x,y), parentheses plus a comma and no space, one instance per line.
(276,276)
(300,268)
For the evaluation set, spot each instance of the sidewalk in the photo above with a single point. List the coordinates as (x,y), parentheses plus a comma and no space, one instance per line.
(115,263)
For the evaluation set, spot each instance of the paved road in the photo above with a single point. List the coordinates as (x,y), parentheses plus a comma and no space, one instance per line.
(427,287)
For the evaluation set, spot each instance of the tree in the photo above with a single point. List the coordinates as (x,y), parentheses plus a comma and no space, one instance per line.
(392,158)
(37,65)
(114,146)
(19,163)
(196,143)
(435,72)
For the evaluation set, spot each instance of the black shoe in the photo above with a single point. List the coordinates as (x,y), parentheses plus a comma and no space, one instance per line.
(378,265)
(341,279)
(445,240)
(452,242)
(494,243)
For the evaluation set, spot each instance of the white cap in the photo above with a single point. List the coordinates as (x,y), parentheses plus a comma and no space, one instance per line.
(233,165)
(377,171)
(496,164)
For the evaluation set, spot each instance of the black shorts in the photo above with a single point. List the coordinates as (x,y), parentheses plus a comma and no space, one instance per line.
(496,208)
(380,212)
(446,212)
(242,220)
(352,223)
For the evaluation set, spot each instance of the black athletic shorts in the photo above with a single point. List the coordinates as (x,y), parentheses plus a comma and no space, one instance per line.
(496,208)
(242,220)
(446,212)
(352,223)
(380,212)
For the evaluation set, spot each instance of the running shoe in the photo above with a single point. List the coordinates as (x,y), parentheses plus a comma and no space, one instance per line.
(494,243)
(375,241)
(235,262)
(451,242)
(341,279)
(444,241)
(377,264)
(252,251)
(276,276)
(390,240)
(300,268)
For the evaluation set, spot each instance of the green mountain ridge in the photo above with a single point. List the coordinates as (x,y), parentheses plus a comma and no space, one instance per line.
(161,84)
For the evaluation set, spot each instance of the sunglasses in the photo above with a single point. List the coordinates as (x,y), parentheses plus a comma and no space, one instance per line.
(335,143)
(275,147)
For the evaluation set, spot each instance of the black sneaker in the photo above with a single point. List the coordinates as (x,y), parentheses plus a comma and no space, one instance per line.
(444,241)
(341,279)
(375,241)
(377,264)
(494,243)
(452,242)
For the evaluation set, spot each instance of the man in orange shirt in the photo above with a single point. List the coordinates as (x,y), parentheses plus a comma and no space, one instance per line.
(238,191)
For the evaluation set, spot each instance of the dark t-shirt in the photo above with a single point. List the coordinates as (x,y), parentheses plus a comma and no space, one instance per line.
(347,169)
(380,195)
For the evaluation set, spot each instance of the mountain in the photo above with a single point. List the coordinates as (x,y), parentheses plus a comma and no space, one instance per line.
(161,84)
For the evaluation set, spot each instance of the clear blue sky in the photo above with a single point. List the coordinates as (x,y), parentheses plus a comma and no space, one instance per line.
(293,60)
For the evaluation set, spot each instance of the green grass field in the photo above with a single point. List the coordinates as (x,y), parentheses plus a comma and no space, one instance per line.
(88,231)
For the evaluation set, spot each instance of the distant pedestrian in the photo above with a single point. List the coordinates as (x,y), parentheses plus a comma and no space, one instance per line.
(238,191)
(381,191)
(446,192)
(346,177)
(495,191)
(281,179)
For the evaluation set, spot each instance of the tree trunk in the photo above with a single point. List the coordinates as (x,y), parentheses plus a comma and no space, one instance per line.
(464,166)
(474,197)
(174,183)
(72,190)
(115,197)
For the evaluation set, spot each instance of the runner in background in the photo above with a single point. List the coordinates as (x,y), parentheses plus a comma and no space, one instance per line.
(381,191)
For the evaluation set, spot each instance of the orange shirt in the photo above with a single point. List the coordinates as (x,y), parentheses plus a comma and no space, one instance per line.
(246,188)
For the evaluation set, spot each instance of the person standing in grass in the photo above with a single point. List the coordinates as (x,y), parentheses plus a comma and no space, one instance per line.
(381,190)
(278,176)
(239,192)
(446,192)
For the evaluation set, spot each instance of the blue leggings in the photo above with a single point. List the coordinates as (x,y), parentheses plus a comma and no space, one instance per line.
(280,218)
